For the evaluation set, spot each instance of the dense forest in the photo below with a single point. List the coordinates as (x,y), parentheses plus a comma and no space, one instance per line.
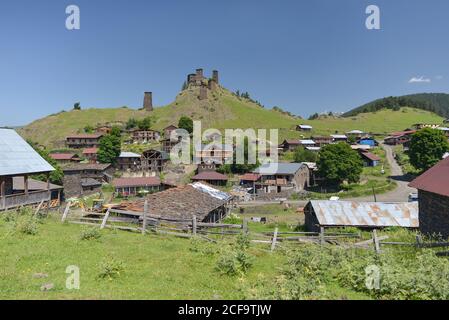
(434,102)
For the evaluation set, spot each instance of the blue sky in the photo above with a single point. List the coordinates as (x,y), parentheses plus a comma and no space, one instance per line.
(305,56)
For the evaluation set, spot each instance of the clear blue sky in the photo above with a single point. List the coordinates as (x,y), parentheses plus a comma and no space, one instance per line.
(305,56)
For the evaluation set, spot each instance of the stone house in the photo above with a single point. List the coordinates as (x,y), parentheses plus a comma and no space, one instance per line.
(91,154)
(214,153)
(211,177)
(84,140)
(433,199)
(154,160)
(85,178)
(282,177)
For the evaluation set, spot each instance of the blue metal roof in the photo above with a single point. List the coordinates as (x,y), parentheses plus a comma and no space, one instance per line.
(18,157)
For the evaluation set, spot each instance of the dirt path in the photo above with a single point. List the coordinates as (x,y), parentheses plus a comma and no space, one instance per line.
(401,193)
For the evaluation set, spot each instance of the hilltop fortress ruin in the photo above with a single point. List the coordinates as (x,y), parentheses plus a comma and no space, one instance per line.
(196,79)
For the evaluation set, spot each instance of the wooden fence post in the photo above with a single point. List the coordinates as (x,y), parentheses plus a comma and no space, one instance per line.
(376,242)
(194,225)
(66,212)
(275,237)
(39,208)
(144,218)
(105,219)
(419,241)
(245,226)
(322,240)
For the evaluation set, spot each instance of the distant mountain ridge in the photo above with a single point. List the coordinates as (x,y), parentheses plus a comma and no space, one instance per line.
(434,102)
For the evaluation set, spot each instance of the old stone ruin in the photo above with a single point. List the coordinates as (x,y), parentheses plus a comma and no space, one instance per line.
(204,84)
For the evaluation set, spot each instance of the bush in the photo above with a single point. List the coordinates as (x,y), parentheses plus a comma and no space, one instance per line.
(111,268)
(235,260)
(26,224)
(90,233)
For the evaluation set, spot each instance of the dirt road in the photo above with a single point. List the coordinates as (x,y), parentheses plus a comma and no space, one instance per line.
(401,193)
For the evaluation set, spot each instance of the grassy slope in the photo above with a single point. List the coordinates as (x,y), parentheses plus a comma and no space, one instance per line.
(222,110)
(156,267)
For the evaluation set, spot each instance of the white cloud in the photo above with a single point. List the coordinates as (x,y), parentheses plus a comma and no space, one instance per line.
(419,80)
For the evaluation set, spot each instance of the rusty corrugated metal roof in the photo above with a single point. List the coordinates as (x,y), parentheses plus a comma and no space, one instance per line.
(366,214)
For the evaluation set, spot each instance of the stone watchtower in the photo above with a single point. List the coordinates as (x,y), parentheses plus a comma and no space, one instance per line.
(203,93)
(148,101)
(215,76)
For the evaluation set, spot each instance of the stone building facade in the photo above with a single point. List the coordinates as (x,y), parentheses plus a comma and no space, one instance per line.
(148,101)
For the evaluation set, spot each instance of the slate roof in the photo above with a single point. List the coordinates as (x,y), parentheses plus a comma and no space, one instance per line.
(86,166)
(18,157)
(89,182)
(210,175)
(182,202)
(366,214)
(33,185)
(278,168)
(434,180)
(370,156)
(62,156)
(90,151)
(136,182)
(86,136)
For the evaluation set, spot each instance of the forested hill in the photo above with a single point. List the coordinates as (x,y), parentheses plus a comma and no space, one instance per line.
(434,102)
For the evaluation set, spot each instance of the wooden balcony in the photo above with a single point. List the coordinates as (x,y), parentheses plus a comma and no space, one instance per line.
(17,200)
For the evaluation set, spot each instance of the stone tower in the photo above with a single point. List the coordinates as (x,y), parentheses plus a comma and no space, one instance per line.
(215,76)
(203,93)
(148,101)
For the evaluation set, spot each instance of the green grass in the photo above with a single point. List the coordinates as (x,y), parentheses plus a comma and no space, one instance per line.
(156,267)
(222,110)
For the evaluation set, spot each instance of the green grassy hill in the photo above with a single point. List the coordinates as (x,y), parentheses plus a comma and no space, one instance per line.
(221,110)
(434,102)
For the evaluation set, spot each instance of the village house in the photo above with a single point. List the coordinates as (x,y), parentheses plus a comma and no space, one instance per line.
(282,177)
(304,127)
(368,141)
(84,141)
(145,136)
(19,161)
(85,178)
(128,161)
(307,143)
(168,144)
(211,177)
(153,160)
(168,130)
(63,158)
(198,200)
(214,153)
(126,187)
(289,145)
(369,159)
(402,137)
(104,129)
(91,154)
(433,199)
(321,141)
(339,138)
(371,215)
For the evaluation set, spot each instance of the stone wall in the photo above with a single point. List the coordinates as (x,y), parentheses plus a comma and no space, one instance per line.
(433,213)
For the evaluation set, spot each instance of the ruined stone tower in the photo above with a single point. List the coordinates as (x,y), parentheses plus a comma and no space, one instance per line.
(215,76)
(148,101)
(203,93)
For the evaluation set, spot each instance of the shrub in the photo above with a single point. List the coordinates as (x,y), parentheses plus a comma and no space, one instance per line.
(111,268)
(90,233)
(26,224)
